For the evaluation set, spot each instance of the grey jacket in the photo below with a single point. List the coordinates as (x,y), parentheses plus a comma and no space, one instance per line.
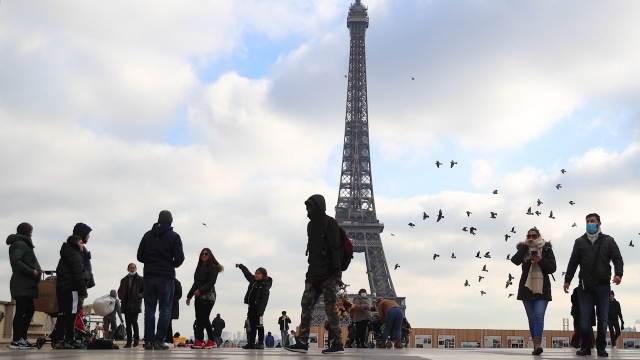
(583,254)
(361,307)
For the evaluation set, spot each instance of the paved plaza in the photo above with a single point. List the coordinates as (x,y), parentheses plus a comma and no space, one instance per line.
(360,354)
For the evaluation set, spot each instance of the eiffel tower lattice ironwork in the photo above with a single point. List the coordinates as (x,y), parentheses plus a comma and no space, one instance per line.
(355,211)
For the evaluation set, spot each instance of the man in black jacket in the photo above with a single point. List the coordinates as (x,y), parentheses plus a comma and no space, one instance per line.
(83,230)
(615,312)
(161,253)
(131,293)
(284,322)
(595,280)
(218,325)
(323,276)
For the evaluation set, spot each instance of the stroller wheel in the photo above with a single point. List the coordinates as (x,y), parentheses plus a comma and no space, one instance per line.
(389,345)
(40,342)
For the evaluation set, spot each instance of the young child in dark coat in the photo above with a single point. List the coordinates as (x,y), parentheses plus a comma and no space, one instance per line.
(257,297)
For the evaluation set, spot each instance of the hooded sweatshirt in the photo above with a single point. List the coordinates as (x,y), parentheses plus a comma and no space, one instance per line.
(70,270)
(23,262)
(323,244)
(161,251)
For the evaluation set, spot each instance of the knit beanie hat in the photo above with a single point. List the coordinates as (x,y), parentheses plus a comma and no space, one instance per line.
(165,217)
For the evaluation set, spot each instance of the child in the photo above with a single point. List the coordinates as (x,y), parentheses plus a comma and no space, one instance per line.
(256,297)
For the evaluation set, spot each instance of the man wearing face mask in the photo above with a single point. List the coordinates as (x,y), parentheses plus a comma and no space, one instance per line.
(361,317)
(131,293)
(595,281)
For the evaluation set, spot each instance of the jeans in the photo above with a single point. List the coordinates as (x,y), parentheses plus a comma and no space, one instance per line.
(284,337)
(535,313)
(22,317)
(158,291)
(393,320)
(598,296)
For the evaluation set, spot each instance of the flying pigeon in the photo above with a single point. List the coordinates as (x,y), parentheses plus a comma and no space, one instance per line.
(510,295)
(345,76)
(453,255)
(487,255)
(396,267)
(472,231)
(508,283)
(478,255)
(466,283)
(205,225)
(392,234)
(440,216)
(412,225)
(480,278)
(537,213)
(631,243)
(493,215)
(484,268)
(551,215)
(529,211)
(558,186)
(574,225)
(563,171)
(424,216)
(572,202)
(513,229)
(510,277)
(495,192)
(506,237)
(508,256)
(435,256)
(564,273)
(464,229)
(540,202)
(453,163)
(413,78)
(553,277)
(438,163)
(469,213)
(482,293)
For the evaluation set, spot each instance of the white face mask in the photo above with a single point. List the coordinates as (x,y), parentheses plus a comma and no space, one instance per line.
(132,273)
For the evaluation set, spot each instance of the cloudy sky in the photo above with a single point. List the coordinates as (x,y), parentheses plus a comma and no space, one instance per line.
(231,113)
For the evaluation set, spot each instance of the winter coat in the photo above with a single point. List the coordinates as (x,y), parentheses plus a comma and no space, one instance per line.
(584,252)
(70,270)
(323,244)
(204,279)
(217,324)
(269,340)
(284,322)
(547,266)
(615,311)
(177,295)
(257,295)
(361,307)
(86,255)
(131,294)
(383,307)
(161,251)
(23,262)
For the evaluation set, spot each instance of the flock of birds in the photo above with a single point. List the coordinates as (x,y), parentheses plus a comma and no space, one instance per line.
(493,215)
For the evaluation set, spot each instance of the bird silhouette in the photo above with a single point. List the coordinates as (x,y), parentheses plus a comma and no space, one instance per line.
(487,255)
(395,267)
(513,229)
(392,234)
(469,213)
(508,256)
(631,243)
(480,278)
(478,255)
(529,211)
(537,213)
(205,225)
(453,255)
(453,163)
(553,277)
(510,277)
(508,283)
(440,216)
(506,237)
(493,215)
(465,229)
(412,225)
(472,231)
(574,225)
(551,215)
(539,202)
(438,163)
(495,192)
(558,186)
(563,171)
(345,76)
(564,273)
(413,78)
(424,216)
(484,268)
(510,295)
(435,256)
(466,283)
(571,202)
(482,293)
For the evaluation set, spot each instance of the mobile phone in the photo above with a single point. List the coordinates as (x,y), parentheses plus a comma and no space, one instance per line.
(534,252)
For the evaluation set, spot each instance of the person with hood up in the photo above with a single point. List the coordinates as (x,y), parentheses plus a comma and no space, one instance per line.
(24,283)
(83,230)
(71,287)
(269,340)
(536,258)
(204,290)
(161,253)
(131,292)
(257,297)
(323,276)
(109,321)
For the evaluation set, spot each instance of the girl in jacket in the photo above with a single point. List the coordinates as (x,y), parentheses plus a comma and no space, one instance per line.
(71,286)
(257,297)
(361,318)
(537,260)
(204,289)
(24,283)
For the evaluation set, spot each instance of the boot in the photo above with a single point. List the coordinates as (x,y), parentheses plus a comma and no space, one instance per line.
(537,349)
(135,342)
(399,344)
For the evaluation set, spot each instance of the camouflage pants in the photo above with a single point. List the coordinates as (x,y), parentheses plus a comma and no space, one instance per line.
(310,297)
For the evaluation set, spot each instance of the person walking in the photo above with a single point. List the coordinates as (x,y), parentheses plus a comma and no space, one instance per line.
(218,325)
(131,293)
(161,253)
(204,290)
(361,318)
(283,322)
(110,324)
(256,298)
(593,252)
(391,316)
(615,312)
(324,274)
(535,257)
(25,275)
(175,309)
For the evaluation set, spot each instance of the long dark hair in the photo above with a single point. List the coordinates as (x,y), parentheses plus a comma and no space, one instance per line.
(212,260)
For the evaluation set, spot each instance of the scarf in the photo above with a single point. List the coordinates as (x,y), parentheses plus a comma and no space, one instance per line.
(593,237)
(535,279)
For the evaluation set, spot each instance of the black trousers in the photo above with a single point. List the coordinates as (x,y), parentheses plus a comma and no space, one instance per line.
(361,332)
(68,302)
(614,330)
(22,318)
(203,313)
(257,326)
(131,323)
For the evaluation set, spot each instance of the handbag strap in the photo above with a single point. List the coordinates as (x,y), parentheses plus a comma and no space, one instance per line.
(595,259)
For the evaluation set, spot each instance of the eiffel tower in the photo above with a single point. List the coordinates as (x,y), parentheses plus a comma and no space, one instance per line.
(356,211)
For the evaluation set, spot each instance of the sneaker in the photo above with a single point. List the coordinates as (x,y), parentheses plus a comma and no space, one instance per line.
(197,344)
(603,353)
(209,344)
(135,343)
(298,347)
(29,343)
(148,345)
(584,352)
(21,344)
(249,346)
(127,345)
(336,348)
(160,345)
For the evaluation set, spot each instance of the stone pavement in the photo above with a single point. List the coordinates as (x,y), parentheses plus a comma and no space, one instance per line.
(359,354)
